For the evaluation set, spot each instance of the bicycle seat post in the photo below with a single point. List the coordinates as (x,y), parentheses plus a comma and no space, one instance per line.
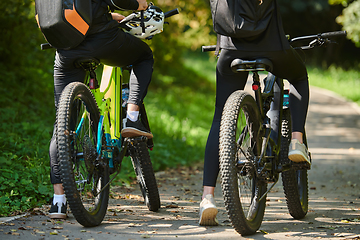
(257,90)
(89,65)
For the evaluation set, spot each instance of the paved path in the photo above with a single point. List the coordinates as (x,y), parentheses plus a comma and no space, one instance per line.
(333,129)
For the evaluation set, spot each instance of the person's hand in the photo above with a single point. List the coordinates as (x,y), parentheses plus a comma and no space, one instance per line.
(117,17)
(142,5)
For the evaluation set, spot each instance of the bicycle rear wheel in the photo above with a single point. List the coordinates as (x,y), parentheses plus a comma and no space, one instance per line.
(141,161)
(84,172)
(295,182)
(239,145)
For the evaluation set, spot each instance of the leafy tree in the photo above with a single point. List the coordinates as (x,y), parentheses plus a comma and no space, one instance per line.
(350,19)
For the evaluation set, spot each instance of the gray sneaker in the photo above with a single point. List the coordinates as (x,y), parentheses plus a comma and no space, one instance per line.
(208,212)
(298,152)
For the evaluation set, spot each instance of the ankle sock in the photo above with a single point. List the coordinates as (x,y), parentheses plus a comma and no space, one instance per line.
(59,199)
(132,115)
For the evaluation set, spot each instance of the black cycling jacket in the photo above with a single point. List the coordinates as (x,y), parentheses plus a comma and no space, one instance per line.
(102,19)
(272,39)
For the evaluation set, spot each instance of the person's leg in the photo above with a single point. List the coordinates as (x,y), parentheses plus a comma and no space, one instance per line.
(138,54)
(288,65)
(226,83)
(139,81)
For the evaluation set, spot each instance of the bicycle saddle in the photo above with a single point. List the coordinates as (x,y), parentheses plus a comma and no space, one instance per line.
(260,64)
(86,63)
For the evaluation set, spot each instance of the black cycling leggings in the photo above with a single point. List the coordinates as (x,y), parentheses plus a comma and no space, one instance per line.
(112,47)
(286,64)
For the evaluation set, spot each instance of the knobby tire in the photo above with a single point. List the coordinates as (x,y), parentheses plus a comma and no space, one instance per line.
(241,115)
(83,172)
(141,161)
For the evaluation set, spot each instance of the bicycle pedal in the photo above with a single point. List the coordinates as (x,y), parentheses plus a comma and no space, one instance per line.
(283,168)
(137,139)
(301,166)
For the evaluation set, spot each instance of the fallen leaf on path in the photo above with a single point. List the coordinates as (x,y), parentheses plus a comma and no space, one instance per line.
(54,233)
(57,227)
(172,205)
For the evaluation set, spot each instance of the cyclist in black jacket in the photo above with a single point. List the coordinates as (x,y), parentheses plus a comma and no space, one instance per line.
(112,46)
(287,64)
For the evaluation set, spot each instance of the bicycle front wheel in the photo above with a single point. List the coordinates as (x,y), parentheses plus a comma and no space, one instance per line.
(295,182)
(239,146)
(84,172)
(141,161)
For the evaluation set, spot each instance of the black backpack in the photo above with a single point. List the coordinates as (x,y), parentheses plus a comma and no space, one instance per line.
(64,23)
(241,18)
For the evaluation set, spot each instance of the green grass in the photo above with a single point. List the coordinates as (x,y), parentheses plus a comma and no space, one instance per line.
(346,83)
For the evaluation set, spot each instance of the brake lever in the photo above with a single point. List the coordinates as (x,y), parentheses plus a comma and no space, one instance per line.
(142,21)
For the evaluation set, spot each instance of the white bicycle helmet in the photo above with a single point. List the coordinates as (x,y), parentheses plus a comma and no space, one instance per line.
(153,19)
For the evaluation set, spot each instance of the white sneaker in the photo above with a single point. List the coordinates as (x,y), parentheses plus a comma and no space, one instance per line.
(208,212)
(298,152)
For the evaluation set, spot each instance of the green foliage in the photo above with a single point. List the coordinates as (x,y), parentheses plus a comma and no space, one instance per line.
(350,19)
(19,42)
(26,121)
(24,183)
(26,109)
(343,82)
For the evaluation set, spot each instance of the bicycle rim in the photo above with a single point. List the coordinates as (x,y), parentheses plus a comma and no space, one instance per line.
(84,171)
(239,146)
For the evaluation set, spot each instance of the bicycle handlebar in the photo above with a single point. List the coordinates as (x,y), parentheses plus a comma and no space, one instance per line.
(132,16)
(318,40)
(320,35)
(208,48)
(171,13)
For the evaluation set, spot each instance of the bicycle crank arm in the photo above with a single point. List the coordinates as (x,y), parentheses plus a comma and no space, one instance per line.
(107,184)
(264,195)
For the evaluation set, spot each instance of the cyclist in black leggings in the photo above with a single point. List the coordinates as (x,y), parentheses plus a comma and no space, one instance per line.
(287,64)
(111,46)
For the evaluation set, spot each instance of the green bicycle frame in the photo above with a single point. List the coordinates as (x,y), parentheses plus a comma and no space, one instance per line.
(109,99)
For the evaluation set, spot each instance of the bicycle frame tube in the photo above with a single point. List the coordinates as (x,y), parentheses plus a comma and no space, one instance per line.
(272,99)
(108,98)
(274,86)
(78,129)
(111,84)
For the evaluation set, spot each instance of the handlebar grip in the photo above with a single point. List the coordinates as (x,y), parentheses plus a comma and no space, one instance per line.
(208,48)
(171,13)
(45,46)
(333,34)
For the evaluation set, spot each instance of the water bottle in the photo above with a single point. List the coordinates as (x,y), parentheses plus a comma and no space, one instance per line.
(125,96)
(286,98)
